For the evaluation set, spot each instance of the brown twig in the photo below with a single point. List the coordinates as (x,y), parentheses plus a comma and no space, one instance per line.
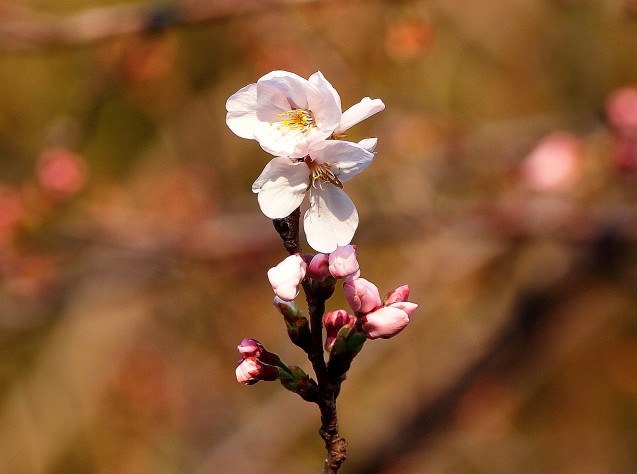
(31,31)
(328,384)
(288,229)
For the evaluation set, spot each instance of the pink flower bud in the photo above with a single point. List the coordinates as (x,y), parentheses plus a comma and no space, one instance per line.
(318,268)
(399,294)
(286,277)
(388,321)
(362,295)
(250,348)
(250,371)
(334,321)
(253,349)
(343,263)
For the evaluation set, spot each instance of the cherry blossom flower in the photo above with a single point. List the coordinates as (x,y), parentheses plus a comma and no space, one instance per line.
(331,220)
(288,114)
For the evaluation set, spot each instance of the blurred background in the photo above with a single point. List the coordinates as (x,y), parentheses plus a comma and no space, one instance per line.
(133,254)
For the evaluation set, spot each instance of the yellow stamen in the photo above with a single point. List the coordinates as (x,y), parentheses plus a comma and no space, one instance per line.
(297,119)
(322,172)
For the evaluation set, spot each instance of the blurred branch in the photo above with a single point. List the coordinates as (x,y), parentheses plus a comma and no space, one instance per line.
(26,30)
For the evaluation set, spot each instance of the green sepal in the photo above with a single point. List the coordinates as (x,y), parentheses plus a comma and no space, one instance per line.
(297,381)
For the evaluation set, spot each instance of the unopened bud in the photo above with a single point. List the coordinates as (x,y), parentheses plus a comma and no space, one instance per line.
(286,277)
(318,268)
(250,371)
(362,295)
(343,263)
(297,324)
(251,348)
(334,321)
(349,342)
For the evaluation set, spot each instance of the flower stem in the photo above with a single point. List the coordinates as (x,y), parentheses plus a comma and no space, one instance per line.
(329,384)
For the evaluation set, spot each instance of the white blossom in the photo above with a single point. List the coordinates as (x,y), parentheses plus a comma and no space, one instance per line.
(288,115)
(331,219)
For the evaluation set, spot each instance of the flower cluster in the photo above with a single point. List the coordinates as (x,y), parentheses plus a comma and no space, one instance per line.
(299,121)
(376,318)
(256,363)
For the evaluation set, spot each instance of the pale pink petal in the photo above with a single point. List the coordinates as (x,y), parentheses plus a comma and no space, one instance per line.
(246,371)
(362,295)
(384,323)
(281,187)
(318,79)
(406,306)
(359,112)
(346,159)
(294,86)
(343,262)
(369,144)
(331,219)
(399,294)
(271,101)
(242,114)
(286,277)
(281,141)
(324,102)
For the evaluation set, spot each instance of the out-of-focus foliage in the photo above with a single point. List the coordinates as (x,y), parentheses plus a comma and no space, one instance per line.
(133,255)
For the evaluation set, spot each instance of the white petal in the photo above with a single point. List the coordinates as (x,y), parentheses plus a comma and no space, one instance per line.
(294,86)
(331,219)
(318,79)
(281,187)
(324,102)
(359,112)
(281,141)
(271,100)
(242,115)
(346,159)
(369,144)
